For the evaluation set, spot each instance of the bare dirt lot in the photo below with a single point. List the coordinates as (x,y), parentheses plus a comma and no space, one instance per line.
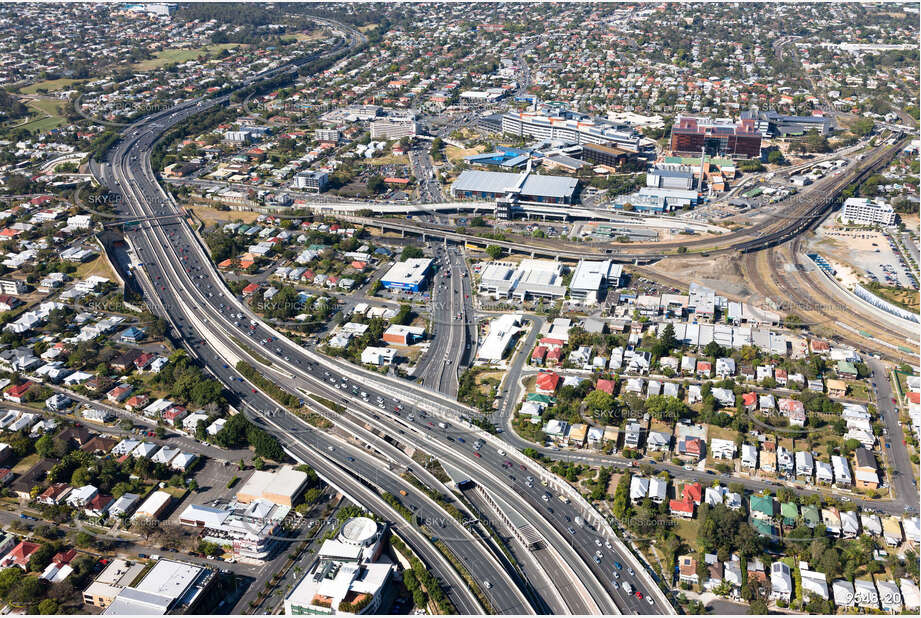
(719,272)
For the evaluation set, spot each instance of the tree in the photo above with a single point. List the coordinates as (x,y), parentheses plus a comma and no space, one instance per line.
(598,401)
(44,446)
(410,252)
(621,500)
(713,349)
(376,184)
(8,579)
(666,341)
(48,606)
(494,251)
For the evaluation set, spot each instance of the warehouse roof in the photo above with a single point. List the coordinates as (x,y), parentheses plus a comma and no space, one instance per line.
(500,182)
(411,271)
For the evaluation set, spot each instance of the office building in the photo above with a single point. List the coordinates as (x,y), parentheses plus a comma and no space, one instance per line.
(409,275)
(324,134)
(281,486)
(670,177)
(118,575)
(393,128)
(502,331)
(349,576)
(602,154)
(591,279)
(774,124)
(657,200)
(865,211)
(169,587)
(247,530)
(700,134)
(154,506)
(561,124)
(311,181)
(12,287)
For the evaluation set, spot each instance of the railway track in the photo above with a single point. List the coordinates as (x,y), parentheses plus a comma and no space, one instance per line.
(821,314)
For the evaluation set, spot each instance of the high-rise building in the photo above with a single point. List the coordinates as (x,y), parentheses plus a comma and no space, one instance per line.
(393,128)
(557,123)
(312,181)
(700,134)
(325,134)
(864,211)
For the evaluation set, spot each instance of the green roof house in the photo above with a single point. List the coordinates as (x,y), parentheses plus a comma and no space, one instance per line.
(790,513)
(761,507)
(810,515)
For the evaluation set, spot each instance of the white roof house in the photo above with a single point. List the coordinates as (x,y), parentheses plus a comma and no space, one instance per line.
(814,582)
(824,473)
(911,596)
(781,582)
(843,592)
(124,504)
(842,470)
(124,447)
(850,527)
(82,495)
(722,449)
(145,449)
(713,496)
(639,488)
(871,524)
(912,528)
(657,490)
(182,461)
(803,463)
(889,595)
(749,456)
(725,367)
(215,427)
(865,594)
(724,397)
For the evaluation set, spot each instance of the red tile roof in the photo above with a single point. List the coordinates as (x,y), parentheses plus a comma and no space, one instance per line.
(692,492)
(21,553)
(605,385)
(547,381)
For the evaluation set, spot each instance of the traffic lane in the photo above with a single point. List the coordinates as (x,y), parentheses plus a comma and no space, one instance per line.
(561,514)
(460,595)
(512,494)
(509,496)
(504,599)
(902,476)
(261,403)
(292,430)
(583,537)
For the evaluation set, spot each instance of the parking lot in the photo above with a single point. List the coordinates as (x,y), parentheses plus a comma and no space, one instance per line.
(871,254)
(212,479)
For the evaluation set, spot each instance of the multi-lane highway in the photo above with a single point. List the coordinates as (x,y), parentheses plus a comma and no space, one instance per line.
(183,285)
(454,332)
